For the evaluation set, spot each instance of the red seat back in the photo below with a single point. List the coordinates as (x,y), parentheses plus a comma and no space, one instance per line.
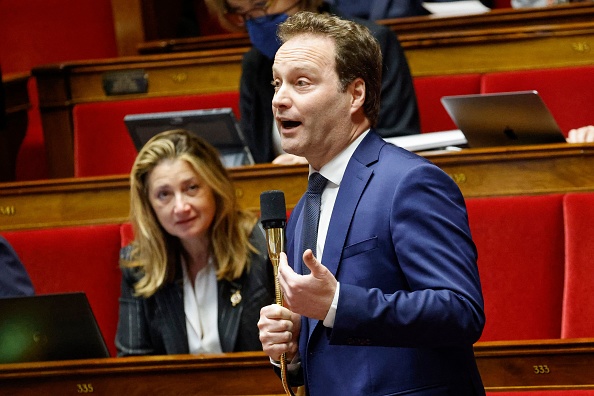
(102,145)
(520,258)
(567,91)
(429,91)
(578,300)
(71,259)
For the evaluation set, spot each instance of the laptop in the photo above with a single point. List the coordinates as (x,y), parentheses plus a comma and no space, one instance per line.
(218,126)
(503,119)
(49,327)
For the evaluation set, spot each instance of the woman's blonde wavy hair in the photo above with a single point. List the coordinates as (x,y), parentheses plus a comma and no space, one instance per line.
(154,251)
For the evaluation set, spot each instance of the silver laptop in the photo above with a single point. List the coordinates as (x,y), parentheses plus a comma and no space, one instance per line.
(49,327)
(218,126)
(503,119)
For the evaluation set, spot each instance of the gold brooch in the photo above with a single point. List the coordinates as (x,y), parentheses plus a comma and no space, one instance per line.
(236,298)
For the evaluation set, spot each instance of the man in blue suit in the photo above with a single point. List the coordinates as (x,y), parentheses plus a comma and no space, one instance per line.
(395,304)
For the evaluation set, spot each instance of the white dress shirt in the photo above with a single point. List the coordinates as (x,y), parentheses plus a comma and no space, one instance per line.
(334,172)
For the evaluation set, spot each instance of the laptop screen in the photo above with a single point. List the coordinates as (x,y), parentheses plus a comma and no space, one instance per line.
(503,119)
(219,127)
(49,327)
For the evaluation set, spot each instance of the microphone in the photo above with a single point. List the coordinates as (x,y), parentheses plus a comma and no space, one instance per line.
(273,216)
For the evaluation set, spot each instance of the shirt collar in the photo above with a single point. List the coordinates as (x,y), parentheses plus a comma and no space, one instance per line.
(335,168)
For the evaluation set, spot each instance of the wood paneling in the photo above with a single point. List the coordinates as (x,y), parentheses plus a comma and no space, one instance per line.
(409,29)
(536,365)
(545,169)
(225,374)
(504,366)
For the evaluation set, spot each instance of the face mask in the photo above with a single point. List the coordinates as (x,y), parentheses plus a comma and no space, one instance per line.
(262,33)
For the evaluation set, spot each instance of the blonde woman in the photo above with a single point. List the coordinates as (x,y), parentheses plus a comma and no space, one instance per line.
(197,273)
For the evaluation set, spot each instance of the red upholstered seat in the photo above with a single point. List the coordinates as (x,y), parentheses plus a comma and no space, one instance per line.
(567,91)
(102,145)
(429,91)
(44,32)
(70,259)
(41,32)
(126,234)
(520,258)
(578,300)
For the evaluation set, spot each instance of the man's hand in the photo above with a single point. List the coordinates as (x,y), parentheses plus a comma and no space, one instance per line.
(584,134)
(308,295)
(279,331)
(289,159)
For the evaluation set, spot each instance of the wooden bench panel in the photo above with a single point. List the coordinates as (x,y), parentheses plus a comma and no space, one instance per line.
(478,172)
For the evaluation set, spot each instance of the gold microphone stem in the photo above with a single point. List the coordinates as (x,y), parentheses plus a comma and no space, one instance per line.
(279,301)
(276,242)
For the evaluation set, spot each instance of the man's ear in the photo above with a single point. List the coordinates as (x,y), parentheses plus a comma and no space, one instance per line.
(357,89)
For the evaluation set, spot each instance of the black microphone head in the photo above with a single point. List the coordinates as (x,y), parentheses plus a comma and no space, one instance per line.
(273,210)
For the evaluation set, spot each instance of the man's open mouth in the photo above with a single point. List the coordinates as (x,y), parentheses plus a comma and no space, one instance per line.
(290,124)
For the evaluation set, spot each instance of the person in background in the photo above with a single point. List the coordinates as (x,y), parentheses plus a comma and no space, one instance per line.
(391,302)
(583,134)
(399,113)
(15,281)
(387,9)
(380,9)
(197,273)
(536,3)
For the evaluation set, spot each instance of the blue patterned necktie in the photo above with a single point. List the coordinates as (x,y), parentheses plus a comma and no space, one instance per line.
(311,215)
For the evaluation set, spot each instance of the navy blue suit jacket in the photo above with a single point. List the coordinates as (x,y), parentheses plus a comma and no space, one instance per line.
(410,305)
(15,280)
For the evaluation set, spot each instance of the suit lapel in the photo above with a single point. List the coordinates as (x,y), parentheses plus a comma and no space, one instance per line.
(352,186)
(229,315)
(354,181)
(294,232)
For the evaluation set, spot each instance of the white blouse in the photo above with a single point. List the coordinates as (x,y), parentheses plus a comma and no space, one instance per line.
(201,308)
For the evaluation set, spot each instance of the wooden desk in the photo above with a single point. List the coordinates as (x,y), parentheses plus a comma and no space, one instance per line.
(555,168)
(504,366)
(502,39)
(497,41)
(14,131)
(214,375)
(405,28)
(536,365)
